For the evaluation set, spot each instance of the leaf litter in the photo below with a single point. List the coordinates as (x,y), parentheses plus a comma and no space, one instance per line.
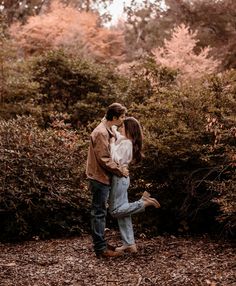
(163,261)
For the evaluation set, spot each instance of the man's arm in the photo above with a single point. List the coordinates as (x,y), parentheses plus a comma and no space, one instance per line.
(103,155)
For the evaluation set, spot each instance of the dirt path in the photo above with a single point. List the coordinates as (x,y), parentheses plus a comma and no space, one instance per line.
(164,261)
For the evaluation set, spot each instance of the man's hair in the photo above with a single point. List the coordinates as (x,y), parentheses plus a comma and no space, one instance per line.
(115,109)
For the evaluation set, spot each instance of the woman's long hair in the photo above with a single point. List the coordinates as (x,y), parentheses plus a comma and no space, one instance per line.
(133,131)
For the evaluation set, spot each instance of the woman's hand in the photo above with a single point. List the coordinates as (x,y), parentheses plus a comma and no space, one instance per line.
(125,171)
(114,128)
(112,140)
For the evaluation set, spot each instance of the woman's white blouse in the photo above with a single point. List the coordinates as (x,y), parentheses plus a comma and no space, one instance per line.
(122,149)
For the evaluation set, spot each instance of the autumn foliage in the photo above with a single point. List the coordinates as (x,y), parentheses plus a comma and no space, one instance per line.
(76,31)
(179,53)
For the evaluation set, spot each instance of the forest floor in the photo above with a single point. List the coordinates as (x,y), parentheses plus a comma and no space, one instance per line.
(163,260)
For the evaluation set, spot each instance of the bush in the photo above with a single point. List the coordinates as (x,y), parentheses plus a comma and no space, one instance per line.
(57,82)
(189,140)
(189,153)
(42,190)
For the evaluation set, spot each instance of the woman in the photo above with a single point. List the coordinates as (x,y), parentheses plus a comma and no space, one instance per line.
(126,148)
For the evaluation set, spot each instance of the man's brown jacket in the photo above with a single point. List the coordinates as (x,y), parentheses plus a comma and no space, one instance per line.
(100,166)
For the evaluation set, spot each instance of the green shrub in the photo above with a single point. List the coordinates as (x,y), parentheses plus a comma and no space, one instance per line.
(80,88)
(42,189)
(56,82)
(189,151)
(189,141)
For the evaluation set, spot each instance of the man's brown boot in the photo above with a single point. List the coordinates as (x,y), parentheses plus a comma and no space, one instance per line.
(111,247)
(108,253)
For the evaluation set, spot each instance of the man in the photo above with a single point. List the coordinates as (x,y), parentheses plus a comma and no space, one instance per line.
(99,170)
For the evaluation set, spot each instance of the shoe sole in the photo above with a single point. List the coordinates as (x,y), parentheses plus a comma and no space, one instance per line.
(128,250)
(156,204)
(146,194)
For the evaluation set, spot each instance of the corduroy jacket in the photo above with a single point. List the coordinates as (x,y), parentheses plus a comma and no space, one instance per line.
(100,165)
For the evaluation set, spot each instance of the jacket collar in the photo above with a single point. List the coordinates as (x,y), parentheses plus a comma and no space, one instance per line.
(104,122)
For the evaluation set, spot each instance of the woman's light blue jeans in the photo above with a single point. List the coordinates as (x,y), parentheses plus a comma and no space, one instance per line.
(120,208)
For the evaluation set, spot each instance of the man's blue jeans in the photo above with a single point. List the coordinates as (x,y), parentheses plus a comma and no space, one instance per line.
(100,194)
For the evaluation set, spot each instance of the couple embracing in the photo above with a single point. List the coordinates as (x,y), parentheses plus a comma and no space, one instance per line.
(114,143)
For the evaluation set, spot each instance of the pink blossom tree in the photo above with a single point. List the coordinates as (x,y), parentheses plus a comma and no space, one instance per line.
(66,27)
(179,53)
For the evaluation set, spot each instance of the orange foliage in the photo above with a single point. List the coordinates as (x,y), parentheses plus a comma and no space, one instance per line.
(66,27)
(178,53)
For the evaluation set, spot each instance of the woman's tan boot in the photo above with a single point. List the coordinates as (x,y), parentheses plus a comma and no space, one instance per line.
(127,248)
(148,201)
(146,194)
